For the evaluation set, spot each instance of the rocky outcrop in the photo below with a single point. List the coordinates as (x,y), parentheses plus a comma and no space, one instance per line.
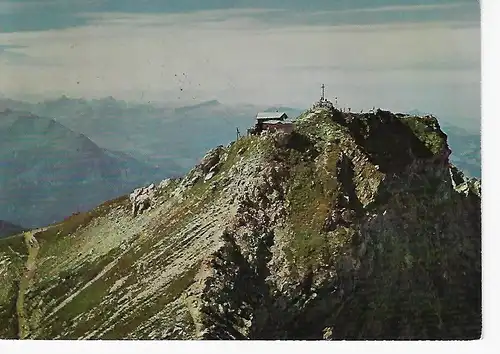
(142,199)
(463,184)
(323,104)
(354,226)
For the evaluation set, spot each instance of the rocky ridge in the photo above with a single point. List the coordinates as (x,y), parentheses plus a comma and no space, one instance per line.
(354,226)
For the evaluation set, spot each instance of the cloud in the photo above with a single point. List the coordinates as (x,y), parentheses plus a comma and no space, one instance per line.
(40,15)
(238,56)
(9,55)
(9,7)
(409,7)
(14,56)
(456,14)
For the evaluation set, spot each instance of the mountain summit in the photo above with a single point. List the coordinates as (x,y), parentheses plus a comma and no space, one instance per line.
(353,226)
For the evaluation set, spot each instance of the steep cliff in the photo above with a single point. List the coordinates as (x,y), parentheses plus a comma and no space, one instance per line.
(353,226)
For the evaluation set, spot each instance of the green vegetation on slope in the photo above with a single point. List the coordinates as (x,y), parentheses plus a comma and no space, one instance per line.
(12,261)
(428,131)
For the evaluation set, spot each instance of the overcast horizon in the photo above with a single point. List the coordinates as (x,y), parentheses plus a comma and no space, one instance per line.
(397,55)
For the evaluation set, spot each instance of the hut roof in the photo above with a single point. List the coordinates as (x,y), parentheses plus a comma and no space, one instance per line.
(271,115)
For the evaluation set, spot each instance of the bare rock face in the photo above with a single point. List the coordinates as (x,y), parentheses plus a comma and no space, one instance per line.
(211,159)
(353,228)
(142,199)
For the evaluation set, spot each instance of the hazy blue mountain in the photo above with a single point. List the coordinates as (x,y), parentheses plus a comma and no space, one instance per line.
(175,138)
(172,138)
(466,149)
(115,125)
(207,104)
(48,171)
(8,229)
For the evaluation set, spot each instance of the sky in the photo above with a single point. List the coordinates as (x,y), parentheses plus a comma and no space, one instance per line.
(393,54)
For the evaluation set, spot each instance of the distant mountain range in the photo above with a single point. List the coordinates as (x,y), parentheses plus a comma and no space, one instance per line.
(173,138)
(48,171)
(7,229)
(89,151)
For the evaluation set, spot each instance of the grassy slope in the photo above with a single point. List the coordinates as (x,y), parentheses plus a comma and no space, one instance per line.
(24,283)
(70,265)
(12,259)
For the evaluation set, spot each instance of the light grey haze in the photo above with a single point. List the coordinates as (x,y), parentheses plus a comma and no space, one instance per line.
(397,55)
